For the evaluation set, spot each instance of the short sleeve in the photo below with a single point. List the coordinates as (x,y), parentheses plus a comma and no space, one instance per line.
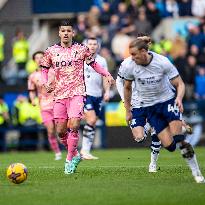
(121,72)
(170,70)
(125,72)
(46,61)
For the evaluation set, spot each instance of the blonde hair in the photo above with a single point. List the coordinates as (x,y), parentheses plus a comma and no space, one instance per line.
(141,42)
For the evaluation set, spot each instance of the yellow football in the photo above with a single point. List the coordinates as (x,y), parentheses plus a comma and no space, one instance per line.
(17,173)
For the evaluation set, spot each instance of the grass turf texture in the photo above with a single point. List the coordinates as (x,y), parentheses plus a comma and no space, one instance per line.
(118,177)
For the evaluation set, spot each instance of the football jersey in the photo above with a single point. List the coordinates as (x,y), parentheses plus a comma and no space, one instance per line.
(68,64)
(93,80)
(152,84)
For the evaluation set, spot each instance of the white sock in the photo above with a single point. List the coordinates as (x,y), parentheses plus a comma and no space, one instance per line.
(86,144)
(193,165)
(154,157)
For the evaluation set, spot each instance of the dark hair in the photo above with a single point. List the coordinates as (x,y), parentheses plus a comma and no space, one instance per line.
(141,42)
(141,34)
(36,53)
(92,38)
(65,23)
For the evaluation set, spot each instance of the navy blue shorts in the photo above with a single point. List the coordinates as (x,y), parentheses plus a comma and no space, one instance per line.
(159,116)
(93,103)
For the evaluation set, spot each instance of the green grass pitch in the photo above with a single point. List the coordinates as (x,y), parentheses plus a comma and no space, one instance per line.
(119,177)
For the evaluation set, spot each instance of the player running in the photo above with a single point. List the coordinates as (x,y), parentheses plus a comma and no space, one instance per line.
(36,89)
(154,100)
(67,58)
(97,90)
(156,143)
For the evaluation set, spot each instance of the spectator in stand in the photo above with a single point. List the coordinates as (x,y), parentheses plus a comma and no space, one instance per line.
(113,26)
(180,62)
(133,9)
(170,8)
(20,50)
(152,13)
(120,44)
(94,27)
(198,8)
(122,13)
(194,50)
(189,76)
(196,37)
(105,14)
(114,5)
(80,28)
(179,46)
(184,7)
(26,117)
(93,16)
(142,24)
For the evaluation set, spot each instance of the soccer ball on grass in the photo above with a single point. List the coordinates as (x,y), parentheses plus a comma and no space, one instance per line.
(17,173)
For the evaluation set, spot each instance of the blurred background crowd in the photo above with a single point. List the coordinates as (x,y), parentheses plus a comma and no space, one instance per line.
(177,28)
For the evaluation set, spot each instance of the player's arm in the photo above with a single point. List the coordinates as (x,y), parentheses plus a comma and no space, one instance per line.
(106,84)
(50,82)
(106,87)
(99,69)
(178,83)
(32,90)
(127,99)
(32,96)
(46,64)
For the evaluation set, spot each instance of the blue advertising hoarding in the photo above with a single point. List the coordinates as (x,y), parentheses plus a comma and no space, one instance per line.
(60,6)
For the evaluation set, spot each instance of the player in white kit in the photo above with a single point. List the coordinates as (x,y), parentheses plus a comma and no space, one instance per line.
(155,144)
(97,91)
(154,101)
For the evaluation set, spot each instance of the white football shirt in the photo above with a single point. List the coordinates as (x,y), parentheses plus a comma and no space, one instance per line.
(93,80)
(152,84)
